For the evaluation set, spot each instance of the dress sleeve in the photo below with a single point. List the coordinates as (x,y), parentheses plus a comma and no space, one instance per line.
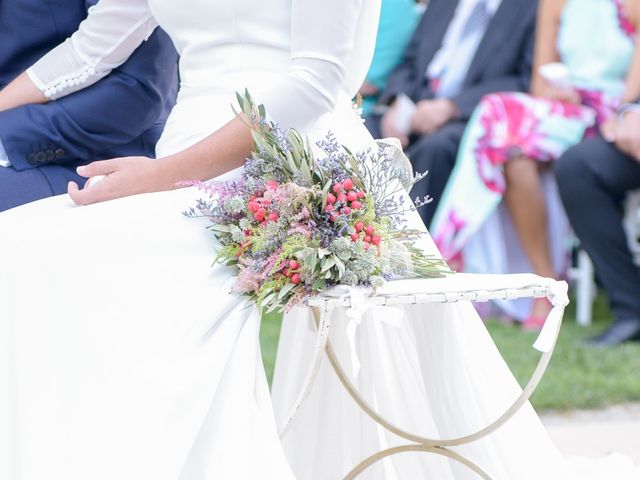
(322,40)
(105,40)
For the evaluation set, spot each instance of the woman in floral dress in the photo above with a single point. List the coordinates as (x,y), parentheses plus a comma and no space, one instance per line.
(512,137)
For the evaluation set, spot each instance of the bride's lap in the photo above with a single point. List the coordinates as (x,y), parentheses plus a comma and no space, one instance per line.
(136,257)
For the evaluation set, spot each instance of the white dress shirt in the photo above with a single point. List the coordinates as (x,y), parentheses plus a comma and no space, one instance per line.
(444,60)
(4,158)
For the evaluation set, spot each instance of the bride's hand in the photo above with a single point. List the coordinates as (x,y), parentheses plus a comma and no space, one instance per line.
(118,178)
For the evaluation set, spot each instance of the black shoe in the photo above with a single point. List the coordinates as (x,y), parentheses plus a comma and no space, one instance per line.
(620,332)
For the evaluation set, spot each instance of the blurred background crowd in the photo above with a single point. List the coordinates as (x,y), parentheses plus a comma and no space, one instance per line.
(525,115)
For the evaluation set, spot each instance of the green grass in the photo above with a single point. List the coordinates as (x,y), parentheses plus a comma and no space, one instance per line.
(578,376)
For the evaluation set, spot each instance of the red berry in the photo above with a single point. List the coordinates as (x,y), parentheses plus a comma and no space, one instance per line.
(252,198)
(273,217)
(329,207)
(295,278)
(337,188)
(286,272)
(352,196)
(259,215)
(375,240)
(356,205)
(347,184)
(331,198)
(360,194)
(345,210)
(253,206)
(333,217)
(367,239)
(293,265)
(369,230)
(247,233)
(263,223)
(342,197)
(359,226)
(355,237)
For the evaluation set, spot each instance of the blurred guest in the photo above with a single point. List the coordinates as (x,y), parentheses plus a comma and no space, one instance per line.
(123,114)
(593,179)
(578,83)
(398,21)
(461,51)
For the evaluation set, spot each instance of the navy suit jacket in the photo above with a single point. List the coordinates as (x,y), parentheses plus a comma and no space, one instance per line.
(502,62)
(123,114)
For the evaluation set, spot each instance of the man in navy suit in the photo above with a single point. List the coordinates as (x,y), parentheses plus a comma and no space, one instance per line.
(122,115)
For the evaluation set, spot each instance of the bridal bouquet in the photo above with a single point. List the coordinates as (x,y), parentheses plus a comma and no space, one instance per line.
(297,223)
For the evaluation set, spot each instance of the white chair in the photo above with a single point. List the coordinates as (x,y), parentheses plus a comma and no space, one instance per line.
(581,275)
(450,289)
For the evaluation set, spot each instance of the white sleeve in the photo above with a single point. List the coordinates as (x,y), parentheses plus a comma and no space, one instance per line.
(322,39)
(104,40)
(4,158)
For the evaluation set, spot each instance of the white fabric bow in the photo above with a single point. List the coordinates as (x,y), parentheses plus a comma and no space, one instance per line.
(360,306)
(559,299)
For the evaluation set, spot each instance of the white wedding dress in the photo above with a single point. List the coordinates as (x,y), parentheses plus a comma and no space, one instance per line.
(124,356)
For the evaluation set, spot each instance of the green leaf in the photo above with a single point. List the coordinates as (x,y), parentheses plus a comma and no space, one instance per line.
(306,171)
(341,267)
(267,300)
(285,290)
(292,164)
(328,263)
(311,261)
(221,228)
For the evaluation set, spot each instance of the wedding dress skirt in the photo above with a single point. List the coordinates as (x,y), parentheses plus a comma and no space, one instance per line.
(123,354)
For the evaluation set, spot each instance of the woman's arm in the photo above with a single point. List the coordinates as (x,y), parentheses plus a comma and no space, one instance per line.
(105,39)
(632,90)
(20,92)
(323,35)
(547,30)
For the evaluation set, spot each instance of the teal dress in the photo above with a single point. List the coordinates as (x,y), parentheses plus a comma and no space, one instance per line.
(596,41)
(398,21)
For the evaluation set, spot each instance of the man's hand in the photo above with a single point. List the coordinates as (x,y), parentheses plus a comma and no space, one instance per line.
(627,134)
(369,89)
(388,127)
(120,177)
(431,115)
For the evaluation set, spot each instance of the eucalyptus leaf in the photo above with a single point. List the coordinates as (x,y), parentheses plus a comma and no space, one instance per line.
(284,290)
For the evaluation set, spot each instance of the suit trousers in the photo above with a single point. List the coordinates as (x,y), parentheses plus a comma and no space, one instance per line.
(20,187)
(593,178)
(434,153)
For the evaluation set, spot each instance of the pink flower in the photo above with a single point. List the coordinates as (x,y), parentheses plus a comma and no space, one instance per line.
(446,238)
(626,25)
(300,229)
(510,129)
(248,281)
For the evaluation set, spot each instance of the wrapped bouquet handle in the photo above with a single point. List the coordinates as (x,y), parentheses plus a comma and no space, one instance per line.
(451,289)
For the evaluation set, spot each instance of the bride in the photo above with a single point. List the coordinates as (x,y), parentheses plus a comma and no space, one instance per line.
(140,365)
